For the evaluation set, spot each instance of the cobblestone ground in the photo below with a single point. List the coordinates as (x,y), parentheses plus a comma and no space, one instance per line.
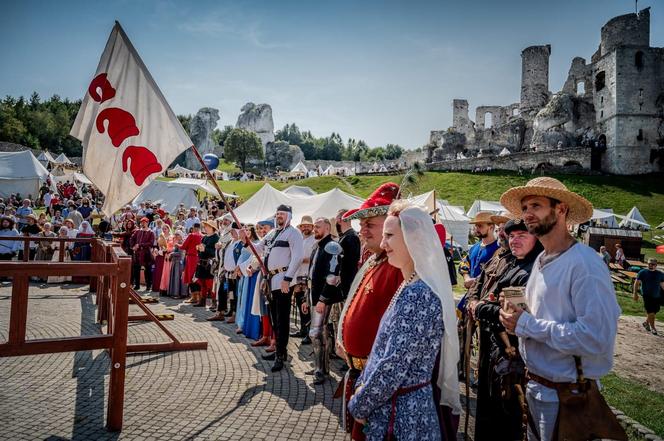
(224,393)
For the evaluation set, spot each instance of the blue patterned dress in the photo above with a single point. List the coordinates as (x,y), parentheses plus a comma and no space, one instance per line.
(403,354)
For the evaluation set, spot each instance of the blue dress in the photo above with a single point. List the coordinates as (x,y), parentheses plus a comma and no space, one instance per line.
(403,354)
(251,324)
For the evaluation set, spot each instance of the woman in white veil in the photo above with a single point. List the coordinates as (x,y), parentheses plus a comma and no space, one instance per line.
(394,396)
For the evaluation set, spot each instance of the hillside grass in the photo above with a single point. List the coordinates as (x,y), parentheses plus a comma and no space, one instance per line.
(618,192)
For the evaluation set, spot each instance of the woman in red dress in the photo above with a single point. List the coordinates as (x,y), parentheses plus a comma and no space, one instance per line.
(191,260)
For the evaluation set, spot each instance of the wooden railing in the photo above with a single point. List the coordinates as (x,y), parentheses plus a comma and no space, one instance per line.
(110,273)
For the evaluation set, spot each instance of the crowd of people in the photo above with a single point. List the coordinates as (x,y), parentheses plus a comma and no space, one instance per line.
(381,300)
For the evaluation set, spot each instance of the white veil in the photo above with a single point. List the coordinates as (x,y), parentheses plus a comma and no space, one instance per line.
(427,253)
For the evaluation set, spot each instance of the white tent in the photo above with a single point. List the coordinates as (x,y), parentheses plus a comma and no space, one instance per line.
(20,172)
(172,193)
(427,200)
(72,177)
(264,202)
(62,159)
(382,169)
(329,171)
(456,224)
(634,220)
(178,170)
(219,175)
(605,216)
(299,169)
(299,190)
(244,178)
(492,206)
(660,226)
(45,157)
(504,152)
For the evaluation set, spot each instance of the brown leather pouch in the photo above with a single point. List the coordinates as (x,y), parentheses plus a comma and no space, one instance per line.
(583,414)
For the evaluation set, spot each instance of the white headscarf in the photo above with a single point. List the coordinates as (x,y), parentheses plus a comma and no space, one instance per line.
(86,228)
(427,253)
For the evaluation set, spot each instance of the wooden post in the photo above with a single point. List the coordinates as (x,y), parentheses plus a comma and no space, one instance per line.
(119,349)
(19,309)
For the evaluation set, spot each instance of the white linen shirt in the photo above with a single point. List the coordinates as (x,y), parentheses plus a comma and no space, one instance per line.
(573,311)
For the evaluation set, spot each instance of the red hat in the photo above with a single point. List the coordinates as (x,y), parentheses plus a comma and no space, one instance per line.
(145,219)
(442,234)
(377,204)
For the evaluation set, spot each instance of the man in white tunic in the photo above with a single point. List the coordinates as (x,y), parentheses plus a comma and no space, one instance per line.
(572,307)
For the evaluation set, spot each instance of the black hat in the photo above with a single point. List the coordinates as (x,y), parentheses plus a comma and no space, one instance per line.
(284,207)
(235,226)
(515,225)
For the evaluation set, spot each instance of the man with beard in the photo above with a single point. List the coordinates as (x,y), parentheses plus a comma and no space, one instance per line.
(369,295)
(498,413)
(480,253)
(569,329)
(350,243)
(306,227)
(282,255)
(324,291)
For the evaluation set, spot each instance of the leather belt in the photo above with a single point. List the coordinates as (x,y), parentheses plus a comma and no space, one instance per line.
(358,363)
(276,271)
(548,383)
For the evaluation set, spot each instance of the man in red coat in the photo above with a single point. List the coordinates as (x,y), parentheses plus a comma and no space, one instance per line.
(141,242)
(369,295)
(191,257)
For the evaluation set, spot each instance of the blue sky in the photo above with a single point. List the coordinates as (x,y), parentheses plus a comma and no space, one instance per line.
(382,71)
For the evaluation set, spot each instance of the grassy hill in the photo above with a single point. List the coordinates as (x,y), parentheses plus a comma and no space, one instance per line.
(618,192)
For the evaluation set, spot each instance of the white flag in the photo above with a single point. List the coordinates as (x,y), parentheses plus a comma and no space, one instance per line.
(128,130)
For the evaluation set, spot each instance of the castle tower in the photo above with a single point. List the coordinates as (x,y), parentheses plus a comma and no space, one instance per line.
(627,81)
(460,114)
(534,78)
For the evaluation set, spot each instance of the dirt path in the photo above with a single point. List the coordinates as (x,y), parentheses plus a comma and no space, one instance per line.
(639,355)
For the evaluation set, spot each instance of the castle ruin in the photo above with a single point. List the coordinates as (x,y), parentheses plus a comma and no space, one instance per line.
(609,113)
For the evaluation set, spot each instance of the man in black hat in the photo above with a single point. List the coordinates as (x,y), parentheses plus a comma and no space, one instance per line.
(282,252)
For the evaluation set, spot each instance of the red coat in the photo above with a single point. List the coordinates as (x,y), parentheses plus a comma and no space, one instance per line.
(369,302)
(191,259)
(145,241)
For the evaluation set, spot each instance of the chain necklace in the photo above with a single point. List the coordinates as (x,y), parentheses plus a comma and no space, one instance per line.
(401,288)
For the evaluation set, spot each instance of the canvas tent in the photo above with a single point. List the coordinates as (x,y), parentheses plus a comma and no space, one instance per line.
(299,170)
(219,175)
(178,170)
(265,201)
(456,223)
(493,207)
(504,152)
(45,157)
(72,177)
(605,216)
(172,193)
(660,226)
(299,190)
(634,220)
(21,172)
(62,159)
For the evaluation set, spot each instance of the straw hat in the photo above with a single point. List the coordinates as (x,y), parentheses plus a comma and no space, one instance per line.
(306,220)
(483,217)
(580,209)
(210,224)
(501,218)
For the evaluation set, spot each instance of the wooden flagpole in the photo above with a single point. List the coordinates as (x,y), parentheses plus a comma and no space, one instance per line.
(230,209)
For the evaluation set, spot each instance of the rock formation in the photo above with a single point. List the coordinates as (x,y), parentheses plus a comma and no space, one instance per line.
(258,119)
(202,125)
(280,154)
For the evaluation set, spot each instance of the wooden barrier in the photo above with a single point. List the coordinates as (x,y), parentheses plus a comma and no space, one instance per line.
(109,272)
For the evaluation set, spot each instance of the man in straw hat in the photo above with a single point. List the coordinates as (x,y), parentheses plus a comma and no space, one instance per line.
(572,308)
(206,254)
(306,227)
(482,251)
(368,296)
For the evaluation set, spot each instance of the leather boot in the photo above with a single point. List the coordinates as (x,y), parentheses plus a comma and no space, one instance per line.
(278,363)
(194,297)
(264,341)
(201,301)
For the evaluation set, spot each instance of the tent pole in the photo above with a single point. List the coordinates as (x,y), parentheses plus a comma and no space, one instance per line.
(230,209)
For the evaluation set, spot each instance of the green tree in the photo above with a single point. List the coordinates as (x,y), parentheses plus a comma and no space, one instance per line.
(242,145)
(219,136)
(393,151)
(185,120)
